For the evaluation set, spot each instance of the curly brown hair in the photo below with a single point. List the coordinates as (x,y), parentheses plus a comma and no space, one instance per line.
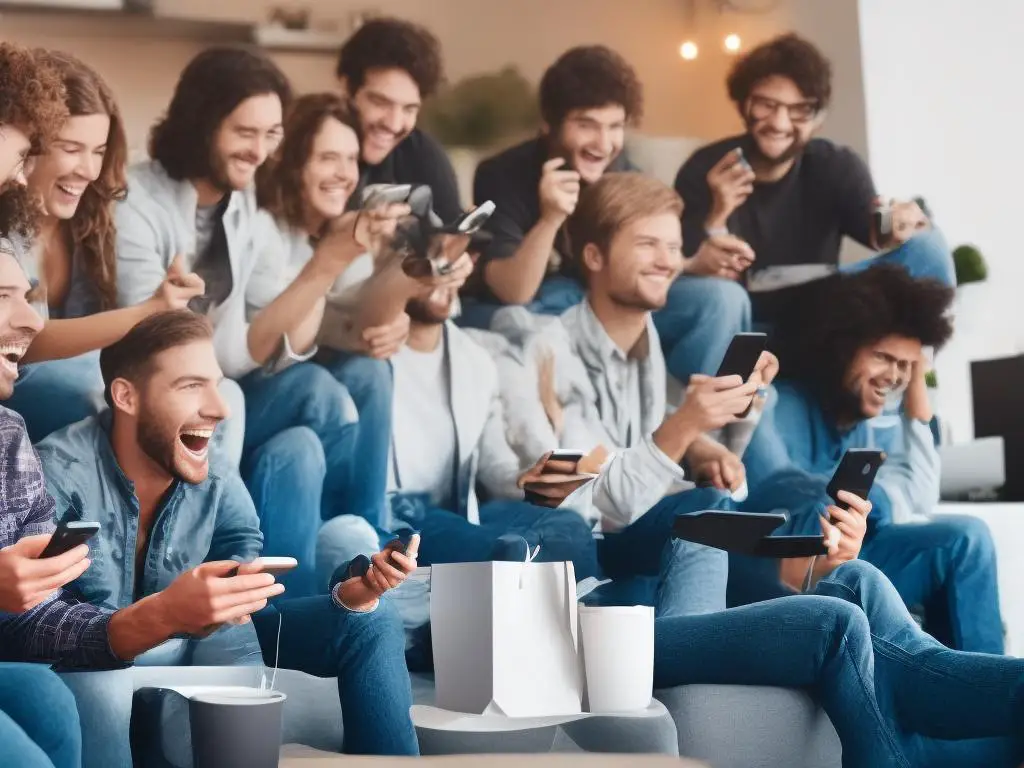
(92,227)
(586,77)
(788,56)
(32,100)
(388,43)
(211,86)
(279,181)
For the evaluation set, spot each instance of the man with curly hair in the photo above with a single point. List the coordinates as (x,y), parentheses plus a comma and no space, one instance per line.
(774,203)
(854,348)
(387,68)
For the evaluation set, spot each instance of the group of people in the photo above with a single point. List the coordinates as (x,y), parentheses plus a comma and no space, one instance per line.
(222,353)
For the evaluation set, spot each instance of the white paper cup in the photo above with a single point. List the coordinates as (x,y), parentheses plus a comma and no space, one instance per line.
(236,728)
(618,656)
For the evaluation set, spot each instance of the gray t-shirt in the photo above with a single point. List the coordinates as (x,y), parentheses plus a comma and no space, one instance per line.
(211,259)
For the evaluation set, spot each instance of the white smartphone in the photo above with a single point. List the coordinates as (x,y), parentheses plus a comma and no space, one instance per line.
(385,194)
(476,218)
(272,565)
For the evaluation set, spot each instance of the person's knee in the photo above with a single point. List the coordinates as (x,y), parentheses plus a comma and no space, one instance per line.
(838,621)
(43,694)
(722,301)
(927,255)
(363,374)
(856,575)
(325,401)
(296,448)
(968,538)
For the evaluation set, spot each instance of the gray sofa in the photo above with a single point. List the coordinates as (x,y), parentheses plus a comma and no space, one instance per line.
(726,726)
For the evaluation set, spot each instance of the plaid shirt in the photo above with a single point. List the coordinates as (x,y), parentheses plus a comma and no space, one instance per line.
(62,629)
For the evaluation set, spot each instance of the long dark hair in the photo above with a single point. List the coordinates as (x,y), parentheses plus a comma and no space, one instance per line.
(211,86)
(92,226)
(279,180)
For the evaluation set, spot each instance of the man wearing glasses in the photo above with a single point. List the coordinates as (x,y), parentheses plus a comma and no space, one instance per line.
(778,201)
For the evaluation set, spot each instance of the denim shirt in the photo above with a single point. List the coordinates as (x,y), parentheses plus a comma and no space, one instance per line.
(212,520)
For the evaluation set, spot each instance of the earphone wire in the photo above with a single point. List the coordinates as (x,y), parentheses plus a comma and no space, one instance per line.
(277,655)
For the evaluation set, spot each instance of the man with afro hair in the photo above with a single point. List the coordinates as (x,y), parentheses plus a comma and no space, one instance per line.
(853,376)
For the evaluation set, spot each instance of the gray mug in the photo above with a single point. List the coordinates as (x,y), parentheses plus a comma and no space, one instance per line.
(236,729)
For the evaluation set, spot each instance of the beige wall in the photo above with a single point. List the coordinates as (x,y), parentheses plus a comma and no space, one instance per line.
(683,98)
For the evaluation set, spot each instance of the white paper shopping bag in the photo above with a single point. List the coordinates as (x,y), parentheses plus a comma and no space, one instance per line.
(505,638)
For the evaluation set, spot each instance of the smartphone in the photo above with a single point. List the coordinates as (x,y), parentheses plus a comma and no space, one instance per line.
(855,474)
(385,194)
(471,221)
(272,565)
(790,546)
(69,535)
(742,159)
(881,223)
(562,454)
(404,538)
(742,355)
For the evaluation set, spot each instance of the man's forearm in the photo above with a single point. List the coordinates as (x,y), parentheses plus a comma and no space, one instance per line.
(382,298)
(289,315)
(516,279)
(675,437)
(139,627)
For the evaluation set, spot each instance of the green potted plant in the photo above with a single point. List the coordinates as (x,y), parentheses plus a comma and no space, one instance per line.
(969,264)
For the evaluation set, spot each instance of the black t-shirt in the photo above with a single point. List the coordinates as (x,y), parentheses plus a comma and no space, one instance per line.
(511,180)
(800,219)
(419,159)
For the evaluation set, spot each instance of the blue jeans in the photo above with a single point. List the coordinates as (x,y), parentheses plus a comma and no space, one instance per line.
(698,321)
(370,384)
(38,719)
(285,476)
(895,696)
(53,394)
(926,255)
(305,395)
(450,538)
(365,651)
(947,566)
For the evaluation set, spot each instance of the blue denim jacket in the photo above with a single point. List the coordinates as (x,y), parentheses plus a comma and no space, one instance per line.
(214,520)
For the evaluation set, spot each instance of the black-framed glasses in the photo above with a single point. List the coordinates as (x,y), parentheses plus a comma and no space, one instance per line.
(762,108)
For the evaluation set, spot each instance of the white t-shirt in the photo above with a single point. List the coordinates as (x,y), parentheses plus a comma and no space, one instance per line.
(423,426)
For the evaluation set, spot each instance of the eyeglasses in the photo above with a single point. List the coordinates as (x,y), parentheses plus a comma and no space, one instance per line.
(902,367)
(762,108)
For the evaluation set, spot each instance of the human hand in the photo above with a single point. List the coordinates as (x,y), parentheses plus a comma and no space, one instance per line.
(200,600)
(844,532)
(711,403)
(552,481)
(766,370)
(907,220)
(715,465)
(356,232)
(26,579)
(388,568)
(559,191)
(731,181)
(383,341)
(178,287)
(725,256)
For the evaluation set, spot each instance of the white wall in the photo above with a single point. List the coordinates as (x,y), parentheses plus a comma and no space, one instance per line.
(942,92)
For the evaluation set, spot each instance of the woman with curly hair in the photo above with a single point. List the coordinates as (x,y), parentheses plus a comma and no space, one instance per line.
(71,255)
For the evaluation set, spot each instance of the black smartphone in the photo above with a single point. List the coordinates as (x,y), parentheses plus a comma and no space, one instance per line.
(790,546)
(69,535)
(855,474)
(881,223)
(562,454)
(404,539)
(742,355)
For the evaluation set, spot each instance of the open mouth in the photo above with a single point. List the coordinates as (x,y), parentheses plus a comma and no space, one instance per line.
(73,192)
(10,356)
(196,441)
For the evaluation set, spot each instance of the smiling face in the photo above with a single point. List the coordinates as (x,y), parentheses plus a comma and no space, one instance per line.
(388,103)
(332,170)
(73,161)
(19,322)
(644,257)
(878,370)
(14,148)
(244,140)
(780,119)
(590,139)
(177,408)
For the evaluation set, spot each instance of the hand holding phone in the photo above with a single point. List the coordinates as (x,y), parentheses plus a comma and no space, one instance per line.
(272,565)
(855,474)
(27,578)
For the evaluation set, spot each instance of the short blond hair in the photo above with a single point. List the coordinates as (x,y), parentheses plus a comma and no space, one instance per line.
(610,204)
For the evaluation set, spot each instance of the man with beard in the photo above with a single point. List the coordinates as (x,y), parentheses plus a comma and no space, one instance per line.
(387,68)
(854,346)
(780,200)
(173,532)
(448,439)
(193,206)
(588,97)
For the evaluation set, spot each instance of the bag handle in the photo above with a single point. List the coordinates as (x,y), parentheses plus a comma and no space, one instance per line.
(530,557)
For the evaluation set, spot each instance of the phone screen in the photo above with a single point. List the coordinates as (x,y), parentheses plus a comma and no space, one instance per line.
(741,358)
(67,536)
(855,474)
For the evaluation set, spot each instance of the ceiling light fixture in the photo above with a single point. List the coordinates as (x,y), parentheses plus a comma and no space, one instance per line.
(688,50)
